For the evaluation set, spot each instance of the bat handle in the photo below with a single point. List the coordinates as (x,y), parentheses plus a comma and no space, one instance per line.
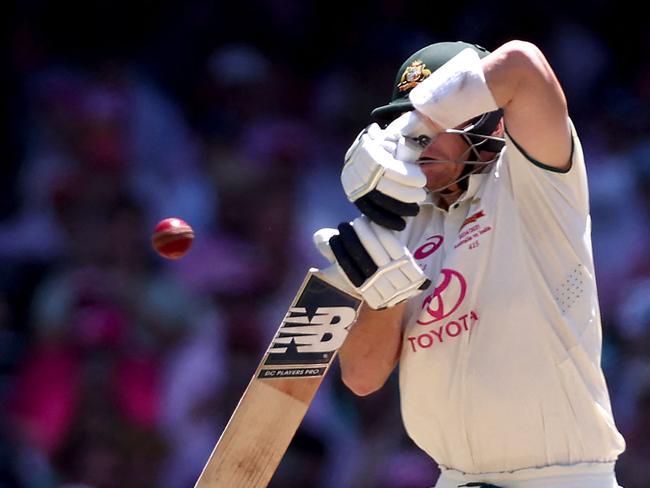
(334,276)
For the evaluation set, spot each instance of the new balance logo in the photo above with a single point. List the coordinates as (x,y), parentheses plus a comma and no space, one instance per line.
(311,333)
(323,333)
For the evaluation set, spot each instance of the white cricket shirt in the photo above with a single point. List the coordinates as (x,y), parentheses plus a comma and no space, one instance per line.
(500,363)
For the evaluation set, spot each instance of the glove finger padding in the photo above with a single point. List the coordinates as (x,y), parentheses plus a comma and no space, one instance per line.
(372,245)
(321,240)
(392,205)
(346,262)
(381,269)
(386,211)
(412,124)
(362,260)
(370,162)
(371,129)
(379,215)
(372,159)
(407,174)
(401,192)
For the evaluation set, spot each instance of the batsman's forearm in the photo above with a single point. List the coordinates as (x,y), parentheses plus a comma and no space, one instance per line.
(372,348)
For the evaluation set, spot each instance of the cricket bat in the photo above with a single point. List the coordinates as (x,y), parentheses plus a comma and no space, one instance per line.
(283,386)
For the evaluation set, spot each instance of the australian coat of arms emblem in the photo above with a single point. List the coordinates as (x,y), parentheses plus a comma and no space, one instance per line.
(413,74)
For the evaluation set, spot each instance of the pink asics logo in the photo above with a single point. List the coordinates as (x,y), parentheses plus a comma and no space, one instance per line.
(428,248)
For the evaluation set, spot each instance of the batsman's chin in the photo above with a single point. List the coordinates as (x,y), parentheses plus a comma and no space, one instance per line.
(440,175)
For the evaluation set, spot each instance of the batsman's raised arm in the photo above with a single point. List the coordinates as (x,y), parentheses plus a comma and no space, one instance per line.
(534,106)
(516,78)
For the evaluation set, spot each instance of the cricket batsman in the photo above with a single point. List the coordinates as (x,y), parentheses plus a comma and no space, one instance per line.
(473,255)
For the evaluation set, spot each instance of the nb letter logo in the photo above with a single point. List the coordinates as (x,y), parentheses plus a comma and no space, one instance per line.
(325,332)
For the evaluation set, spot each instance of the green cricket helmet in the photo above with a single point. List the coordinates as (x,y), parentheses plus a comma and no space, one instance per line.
(416,69)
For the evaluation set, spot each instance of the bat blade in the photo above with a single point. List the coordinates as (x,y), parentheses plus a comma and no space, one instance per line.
(283,386)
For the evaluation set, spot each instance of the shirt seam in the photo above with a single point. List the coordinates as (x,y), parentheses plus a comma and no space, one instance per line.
(538,163)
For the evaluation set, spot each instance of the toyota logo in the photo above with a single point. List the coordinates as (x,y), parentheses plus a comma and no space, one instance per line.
(445,299)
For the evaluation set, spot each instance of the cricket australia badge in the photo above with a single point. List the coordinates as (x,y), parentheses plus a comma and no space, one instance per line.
(414,74)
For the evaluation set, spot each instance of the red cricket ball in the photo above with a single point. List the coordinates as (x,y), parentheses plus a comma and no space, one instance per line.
(172,238)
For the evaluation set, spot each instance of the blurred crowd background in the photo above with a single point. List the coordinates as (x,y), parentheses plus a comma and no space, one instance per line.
(119,368)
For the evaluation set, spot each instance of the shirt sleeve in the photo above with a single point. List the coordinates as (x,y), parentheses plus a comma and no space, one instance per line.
(552,218)
(548,199)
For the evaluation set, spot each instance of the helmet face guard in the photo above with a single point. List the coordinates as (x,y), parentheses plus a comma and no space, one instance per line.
(479,132)
(478,136)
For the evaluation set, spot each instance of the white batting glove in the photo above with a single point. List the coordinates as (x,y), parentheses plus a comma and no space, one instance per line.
(380,175)
(372,261)
(417,131)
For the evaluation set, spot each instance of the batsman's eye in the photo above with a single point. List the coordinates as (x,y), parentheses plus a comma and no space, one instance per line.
(422,140)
